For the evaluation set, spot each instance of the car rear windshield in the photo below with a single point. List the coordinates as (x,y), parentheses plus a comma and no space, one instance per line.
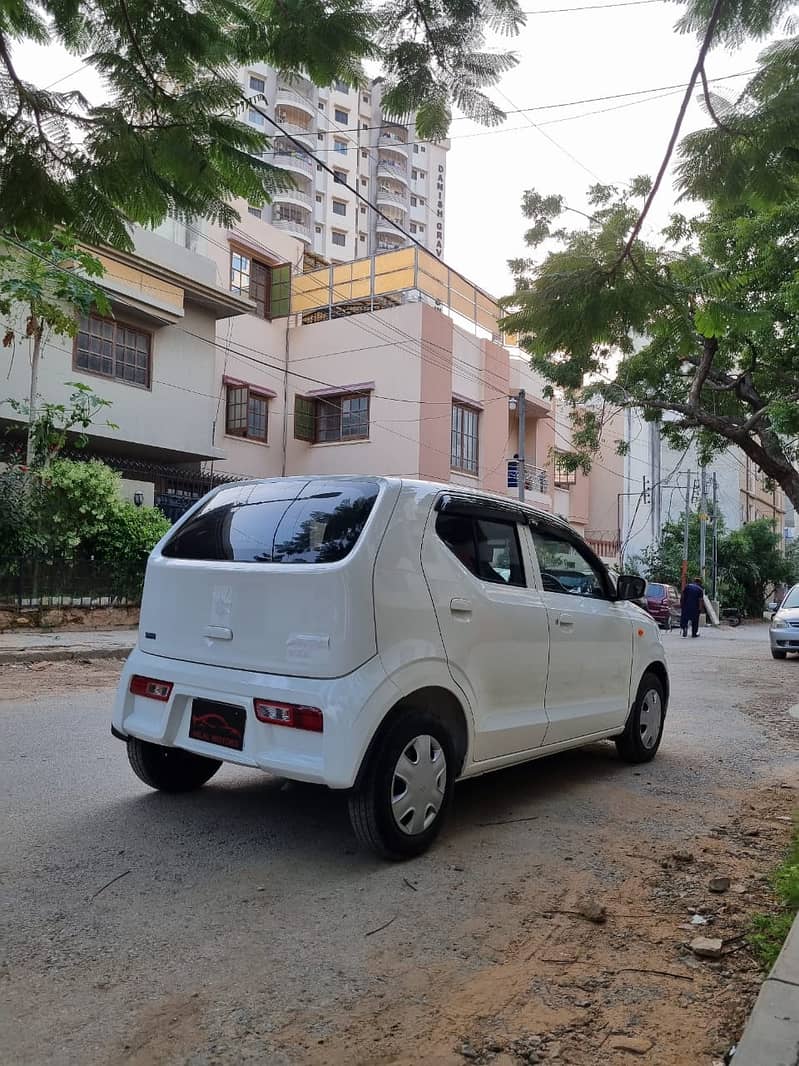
(288,521)
(656,592)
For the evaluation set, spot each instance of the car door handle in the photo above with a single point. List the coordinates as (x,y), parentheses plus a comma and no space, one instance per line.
(218,633)
(565,621)
(459,606)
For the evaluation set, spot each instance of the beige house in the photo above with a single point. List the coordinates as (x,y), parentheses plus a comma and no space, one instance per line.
(153,358)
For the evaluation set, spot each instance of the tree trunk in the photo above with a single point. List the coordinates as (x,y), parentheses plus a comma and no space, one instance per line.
(30,450)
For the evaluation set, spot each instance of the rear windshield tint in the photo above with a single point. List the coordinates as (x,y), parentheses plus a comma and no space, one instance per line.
(289,521)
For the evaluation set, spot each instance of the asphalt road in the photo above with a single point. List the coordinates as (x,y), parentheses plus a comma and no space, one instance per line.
(245,909)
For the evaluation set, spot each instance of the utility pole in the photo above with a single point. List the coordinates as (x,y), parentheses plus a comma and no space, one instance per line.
(522,409)
(702,524)
(684,574)
(715,555)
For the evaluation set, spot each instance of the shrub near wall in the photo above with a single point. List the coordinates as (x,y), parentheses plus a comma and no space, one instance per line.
(73,511)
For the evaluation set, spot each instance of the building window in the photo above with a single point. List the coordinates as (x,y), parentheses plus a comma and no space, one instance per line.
(421,201)
(413,227)
(465,450)
(258,85)
(113,349)
(332,418)
(363,209)
(246,413)
(340,176)
(414,174)
(321,105)
(413,201)
(254,211)
(420,227)
(367,99)
(364,181)
(416,149)
(364,154)
(341,86)
(339,146)
(339,238)
(318,229)
(339,207)
(423,148)
(269,285)
(319,198)
(340,116)
(563,477)
(256,117)
(361,236)
(320,136)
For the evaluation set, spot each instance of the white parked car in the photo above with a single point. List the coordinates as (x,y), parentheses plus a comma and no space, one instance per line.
(382,636)
(784,628)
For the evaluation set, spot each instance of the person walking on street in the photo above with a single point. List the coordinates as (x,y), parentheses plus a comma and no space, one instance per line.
(691,603)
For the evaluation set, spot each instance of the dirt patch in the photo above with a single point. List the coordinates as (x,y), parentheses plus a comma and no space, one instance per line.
(25,681)
(570,987)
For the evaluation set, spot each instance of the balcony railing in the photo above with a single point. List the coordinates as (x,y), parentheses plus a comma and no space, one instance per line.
(383,226)
(291,225)
(387,141)
(391,246)
(293,161)
(284,95)
(535,479)
(292,196)
(389,196)
(297,131)
(605,542)
(391,170)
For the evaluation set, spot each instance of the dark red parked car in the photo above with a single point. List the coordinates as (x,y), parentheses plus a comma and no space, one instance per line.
(663,603)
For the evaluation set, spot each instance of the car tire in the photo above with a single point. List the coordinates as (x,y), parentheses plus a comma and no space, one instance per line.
(169,769)
(399,824)
(667,624)
(644,729)
(776,654)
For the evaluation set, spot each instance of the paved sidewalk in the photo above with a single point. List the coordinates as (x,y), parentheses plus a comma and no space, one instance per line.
(30,646)
(771,1036)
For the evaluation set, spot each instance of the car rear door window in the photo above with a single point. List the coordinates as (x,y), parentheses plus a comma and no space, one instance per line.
(285,521)
(487,547)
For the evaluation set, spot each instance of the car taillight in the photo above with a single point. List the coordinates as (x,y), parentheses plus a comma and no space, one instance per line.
(151,687)
(293,715)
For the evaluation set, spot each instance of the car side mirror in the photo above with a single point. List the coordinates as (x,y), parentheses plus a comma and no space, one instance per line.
(773,607)
(629,587)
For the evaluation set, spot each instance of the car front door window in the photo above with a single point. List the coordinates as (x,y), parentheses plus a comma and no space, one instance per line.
(564,569)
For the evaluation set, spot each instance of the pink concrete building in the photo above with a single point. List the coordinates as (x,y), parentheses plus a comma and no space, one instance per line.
(392,364)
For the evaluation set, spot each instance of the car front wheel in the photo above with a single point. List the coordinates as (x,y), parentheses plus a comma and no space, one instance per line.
(777,654)
(400,805)
(644,730)
(169,769)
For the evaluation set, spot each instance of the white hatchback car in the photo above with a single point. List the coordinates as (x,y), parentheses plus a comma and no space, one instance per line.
(383,636)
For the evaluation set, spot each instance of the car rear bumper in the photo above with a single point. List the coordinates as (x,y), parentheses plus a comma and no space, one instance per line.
(330,758)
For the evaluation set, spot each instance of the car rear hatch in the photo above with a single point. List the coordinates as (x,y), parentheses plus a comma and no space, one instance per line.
(273,576)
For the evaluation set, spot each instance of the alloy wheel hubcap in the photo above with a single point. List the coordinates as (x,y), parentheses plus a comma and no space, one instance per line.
(418,784)
(650,718)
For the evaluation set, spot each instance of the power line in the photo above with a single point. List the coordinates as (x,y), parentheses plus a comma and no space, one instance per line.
(590,7)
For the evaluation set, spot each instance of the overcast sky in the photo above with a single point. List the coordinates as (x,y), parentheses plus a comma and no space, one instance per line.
(563,57)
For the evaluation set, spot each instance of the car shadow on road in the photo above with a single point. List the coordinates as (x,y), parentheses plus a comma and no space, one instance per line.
(246,815)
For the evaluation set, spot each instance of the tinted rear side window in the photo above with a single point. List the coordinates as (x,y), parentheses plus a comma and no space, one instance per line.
(288,521)
(656,592)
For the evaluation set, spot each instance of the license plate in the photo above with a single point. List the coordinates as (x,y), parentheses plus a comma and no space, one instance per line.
(217,723)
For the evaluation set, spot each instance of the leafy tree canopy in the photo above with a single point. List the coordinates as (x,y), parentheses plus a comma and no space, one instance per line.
(699,327)
(169,137)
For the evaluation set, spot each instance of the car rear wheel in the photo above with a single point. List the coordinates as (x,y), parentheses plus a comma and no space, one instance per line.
(400,805)
(644,730)
(169,769)
(776,654)
(667,624)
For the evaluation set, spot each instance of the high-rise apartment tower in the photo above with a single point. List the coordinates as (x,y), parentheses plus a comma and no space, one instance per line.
(375,154)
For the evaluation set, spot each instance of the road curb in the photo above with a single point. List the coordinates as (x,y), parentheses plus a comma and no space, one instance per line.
(771,1036)
(41,655)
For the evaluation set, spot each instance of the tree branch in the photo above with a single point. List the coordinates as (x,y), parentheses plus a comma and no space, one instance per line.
(709,348)
(675,133)
(709,104)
